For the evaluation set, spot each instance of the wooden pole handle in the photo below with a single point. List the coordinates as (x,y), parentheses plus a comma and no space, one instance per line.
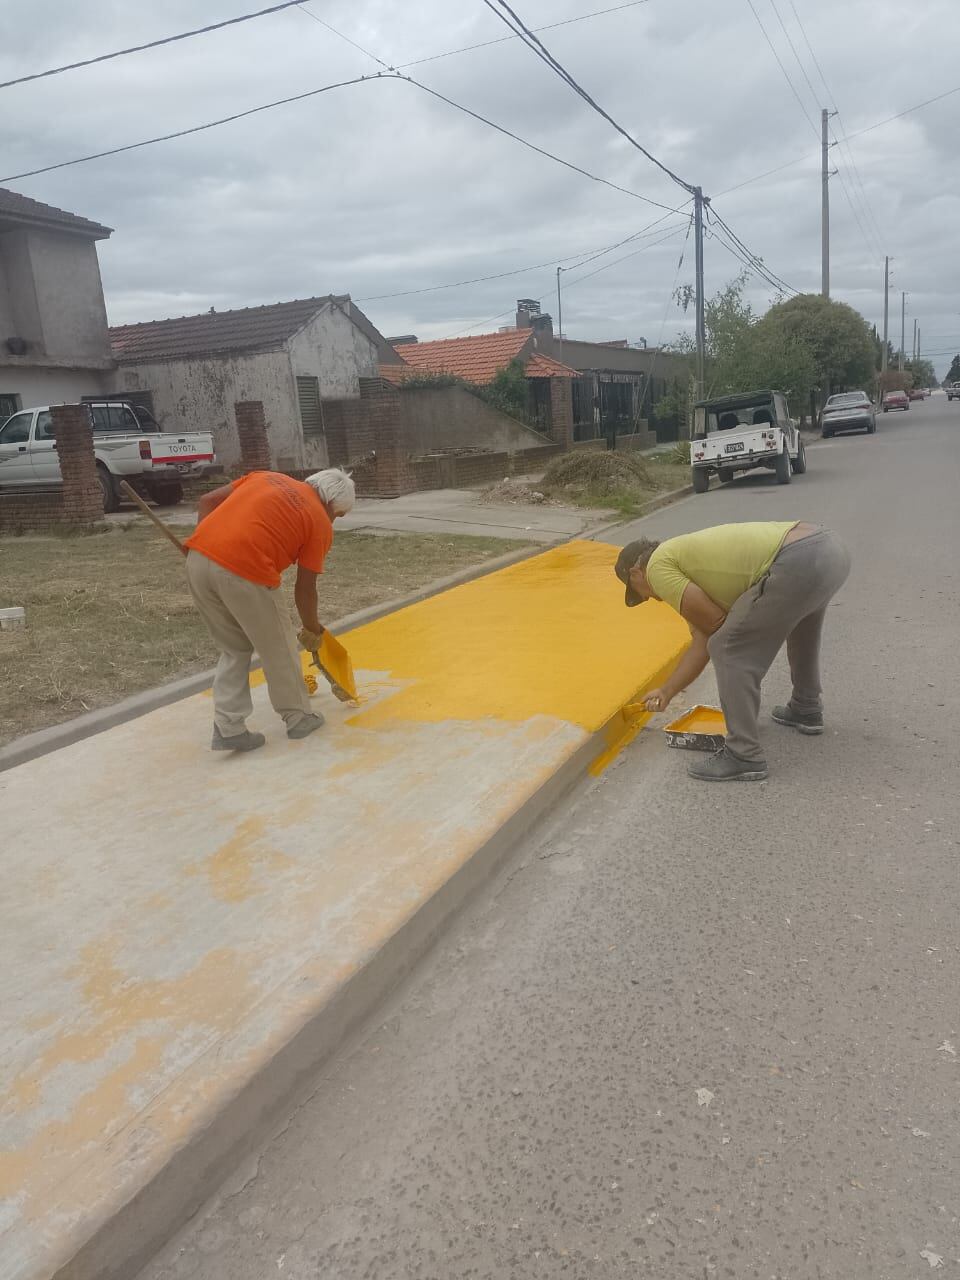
(132,494)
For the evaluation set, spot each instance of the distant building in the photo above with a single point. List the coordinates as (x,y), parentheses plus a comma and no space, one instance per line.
(54,345)
(289,355)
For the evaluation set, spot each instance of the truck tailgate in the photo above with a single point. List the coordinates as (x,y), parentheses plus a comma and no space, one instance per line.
(181,449)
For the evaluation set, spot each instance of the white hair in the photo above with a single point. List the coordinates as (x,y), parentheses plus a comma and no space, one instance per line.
(335,488)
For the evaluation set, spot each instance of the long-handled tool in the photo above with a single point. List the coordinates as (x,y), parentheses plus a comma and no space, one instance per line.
(164,529)
(329,657)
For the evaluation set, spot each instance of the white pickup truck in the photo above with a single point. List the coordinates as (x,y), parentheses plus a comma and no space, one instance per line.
(738,433)
(127,444)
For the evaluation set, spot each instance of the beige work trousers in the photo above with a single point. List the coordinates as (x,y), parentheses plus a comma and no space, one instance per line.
(242,616)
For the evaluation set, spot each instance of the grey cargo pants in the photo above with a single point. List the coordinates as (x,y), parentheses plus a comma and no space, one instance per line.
(787,604)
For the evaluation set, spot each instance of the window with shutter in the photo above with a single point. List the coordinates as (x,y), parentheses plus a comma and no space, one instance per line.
(311,415)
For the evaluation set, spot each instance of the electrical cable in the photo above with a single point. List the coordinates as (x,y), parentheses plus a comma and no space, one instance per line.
(307,12)
(152,44)
(786,76)
(539,48)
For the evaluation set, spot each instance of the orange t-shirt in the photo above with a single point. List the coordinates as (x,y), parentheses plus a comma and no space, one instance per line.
(268,522)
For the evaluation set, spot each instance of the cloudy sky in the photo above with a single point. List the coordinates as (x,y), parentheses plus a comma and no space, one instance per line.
(378,188)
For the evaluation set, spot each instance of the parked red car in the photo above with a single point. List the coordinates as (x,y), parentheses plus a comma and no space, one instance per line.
(895,400)
(916,393)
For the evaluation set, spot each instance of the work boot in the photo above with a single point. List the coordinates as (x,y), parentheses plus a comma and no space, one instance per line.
(724,767)
(245,741)
(303,728)
(806,721)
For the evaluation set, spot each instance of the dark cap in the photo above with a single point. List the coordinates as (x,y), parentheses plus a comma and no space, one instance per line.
(626,560)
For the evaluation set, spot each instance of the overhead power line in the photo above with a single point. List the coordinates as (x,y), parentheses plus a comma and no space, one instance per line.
(509,17)
(152,44)
(308,13)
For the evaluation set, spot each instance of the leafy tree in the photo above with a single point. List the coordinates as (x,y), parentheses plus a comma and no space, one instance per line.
(922,372)
(508,390)
(836,338)
(953,373)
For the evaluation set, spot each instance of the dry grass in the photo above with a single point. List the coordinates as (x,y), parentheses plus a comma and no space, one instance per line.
(625,482)
(110,614)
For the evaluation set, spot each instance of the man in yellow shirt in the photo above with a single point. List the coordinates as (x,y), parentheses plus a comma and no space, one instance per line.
(743,589)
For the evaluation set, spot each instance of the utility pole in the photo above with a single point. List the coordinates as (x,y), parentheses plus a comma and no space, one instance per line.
(903,327)
(824,205)
(559,318)
(886,313)
(914,338)
(700,313)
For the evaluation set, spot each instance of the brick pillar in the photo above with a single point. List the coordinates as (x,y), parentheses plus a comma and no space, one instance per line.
(561,411)
(252,432)
(82,498)
(394,475)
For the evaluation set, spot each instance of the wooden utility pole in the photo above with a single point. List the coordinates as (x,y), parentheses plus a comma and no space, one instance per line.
(903,327)
(700,308)
(886,314)
(559,318)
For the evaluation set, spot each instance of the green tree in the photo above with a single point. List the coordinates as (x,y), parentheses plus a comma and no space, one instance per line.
(836,337)
(508,390)
(922,372)
(953,373)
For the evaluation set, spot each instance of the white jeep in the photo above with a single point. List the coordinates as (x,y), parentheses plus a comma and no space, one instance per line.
(738,433)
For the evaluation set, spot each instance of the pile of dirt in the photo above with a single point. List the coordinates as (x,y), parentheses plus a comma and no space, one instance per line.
(590,475)
(516,492)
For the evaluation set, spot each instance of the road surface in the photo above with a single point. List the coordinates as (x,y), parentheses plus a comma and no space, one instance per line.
(691,1030)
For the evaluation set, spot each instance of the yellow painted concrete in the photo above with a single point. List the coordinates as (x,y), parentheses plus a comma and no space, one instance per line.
(172,916)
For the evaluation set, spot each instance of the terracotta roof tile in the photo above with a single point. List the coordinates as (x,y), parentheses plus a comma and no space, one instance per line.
(21,210)
(475,359)
(543,366)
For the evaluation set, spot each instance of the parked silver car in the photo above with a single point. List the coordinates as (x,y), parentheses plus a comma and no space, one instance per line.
(848,411)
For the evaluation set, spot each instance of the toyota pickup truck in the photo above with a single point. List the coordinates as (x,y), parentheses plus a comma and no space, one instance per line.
(953,390)
(128,444)
(738,433)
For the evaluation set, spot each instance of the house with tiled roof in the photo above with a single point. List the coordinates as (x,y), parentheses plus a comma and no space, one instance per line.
(53,323)
(291,356)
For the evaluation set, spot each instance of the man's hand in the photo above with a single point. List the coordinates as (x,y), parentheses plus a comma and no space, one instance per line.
(311,640)
(657,699)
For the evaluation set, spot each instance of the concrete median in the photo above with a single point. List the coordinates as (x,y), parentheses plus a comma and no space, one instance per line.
(188,935)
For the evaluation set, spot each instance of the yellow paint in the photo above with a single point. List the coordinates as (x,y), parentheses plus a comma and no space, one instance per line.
(549,636)
(230,869)
(619,733)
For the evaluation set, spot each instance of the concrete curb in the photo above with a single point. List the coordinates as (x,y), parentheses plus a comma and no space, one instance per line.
(131,1232)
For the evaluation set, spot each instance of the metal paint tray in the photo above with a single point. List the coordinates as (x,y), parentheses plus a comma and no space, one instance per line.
(701,728)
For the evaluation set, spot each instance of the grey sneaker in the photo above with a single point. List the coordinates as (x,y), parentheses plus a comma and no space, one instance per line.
(303,728)
(806,721)
(724,767)
(245,741)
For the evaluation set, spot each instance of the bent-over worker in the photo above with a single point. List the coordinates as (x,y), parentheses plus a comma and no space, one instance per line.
(248,533)
(743,589)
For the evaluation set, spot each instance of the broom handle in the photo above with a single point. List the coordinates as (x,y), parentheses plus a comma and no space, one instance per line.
(164,529)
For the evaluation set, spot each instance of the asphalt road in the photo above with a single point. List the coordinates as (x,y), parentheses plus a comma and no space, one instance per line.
(692,1030)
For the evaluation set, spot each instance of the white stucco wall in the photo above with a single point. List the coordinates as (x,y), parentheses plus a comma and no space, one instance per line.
(37,386)
(51,295)
(200,394)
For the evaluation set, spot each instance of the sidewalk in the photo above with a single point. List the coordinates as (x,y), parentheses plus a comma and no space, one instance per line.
(441,511)
(187,935)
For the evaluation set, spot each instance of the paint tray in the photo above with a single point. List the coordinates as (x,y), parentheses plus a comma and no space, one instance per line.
(699,729)
(334,661)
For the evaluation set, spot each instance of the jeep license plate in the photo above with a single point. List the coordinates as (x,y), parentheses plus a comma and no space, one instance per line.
(735,446)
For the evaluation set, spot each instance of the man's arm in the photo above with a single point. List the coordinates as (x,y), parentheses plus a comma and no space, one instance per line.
(705,617)
(305,597)
(212,499)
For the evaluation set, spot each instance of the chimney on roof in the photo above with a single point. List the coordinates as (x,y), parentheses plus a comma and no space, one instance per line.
(527,311)
(403,340)
(212,311)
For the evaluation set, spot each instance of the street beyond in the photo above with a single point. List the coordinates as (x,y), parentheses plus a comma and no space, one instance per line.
(691,1030)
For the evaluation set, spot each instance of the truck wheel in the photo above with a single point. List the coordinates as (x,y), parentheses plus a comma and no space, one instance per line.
(782,467)
(167,495)
(799,463)
(725,474)
(108,489)
(871,428)
(700,479)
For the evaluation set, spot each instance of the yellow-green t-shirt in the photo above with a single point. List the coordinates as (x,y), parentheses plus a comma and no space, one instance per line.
(723,561)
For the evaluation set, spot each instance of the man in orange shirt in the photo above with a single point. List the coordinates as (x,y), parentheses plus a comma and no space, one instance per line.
(248,533)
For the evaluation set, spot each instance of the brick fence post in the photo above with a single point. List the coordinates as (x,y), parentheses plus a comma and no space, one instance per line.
(561,411)
(252,433)
(394,475)
(82,497)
